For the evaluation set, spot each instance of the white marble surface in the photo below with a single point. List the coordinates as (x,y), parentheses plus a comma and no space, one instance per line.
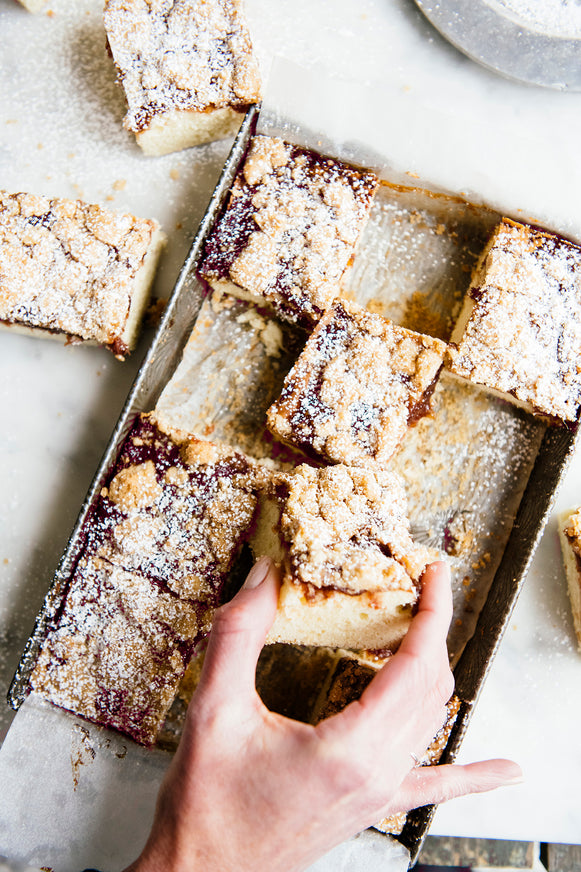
(460,126)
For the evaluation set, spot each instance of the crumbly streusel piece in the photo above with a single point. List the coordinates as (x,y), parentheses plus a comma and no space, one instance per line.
(74,270)
(118,650)
(360,382)
(570,537)
(186,67)
(519,333)
(351,569)
(175,509)
(289,229)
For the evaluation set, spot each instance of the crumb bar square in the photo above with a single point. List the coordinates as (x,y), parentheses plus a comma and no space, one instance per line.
(289,229)
(570,538)
(74,270)
(158,548)
(351,568)
(186,67)
(360,382)
(519,333)
(119,649)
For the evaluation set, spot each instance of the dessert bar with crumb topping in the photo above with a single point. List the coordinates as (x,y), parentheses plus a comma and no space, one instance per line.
(158,548)
(186,67)
(360,382)
(289,230)
(519,333)
(351,568)
(75,271)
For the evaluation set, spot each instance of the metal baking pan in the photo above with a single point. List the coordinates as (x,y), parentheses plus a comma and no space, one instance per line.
(551,452)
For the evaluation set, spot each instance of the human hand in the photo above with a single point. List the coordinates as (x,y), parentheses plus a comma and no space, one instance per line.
(249,789)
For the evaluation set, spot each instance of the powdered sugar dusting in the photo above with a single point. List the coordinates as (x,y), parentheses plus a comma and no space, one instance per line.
(357,386)
(524,330)
(290,228)
(179,54)
(70,267)
(347,529)
(465,469)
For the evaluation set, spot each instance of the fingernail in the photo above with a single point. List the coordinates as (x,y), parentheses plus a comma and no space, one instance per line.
(511,774)
(258,573)
(516,778)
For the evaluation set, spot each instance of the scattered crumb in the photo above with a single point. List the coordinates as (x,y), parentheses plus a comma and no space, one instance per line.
(119,185)
(269,331)
(174,174)
(155,312)
(375,306)
(221,301)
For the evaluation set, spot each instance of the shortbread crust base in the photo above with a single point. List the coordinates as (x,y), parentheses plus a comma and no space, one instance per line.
(180,129)
(334,619)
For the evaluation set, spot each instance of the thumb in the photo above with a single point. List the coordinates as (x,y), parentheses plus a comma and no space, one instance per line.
(238,634)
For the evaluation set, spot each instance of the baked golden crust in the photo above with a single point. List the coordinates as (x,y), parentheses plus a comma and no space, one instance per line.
(73,268)
(289,230)
(520,331)
(182,60)
(356,388)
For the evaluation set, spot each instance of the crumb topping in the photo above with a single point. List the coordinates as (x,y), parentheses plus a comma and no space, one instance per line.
(191,55)
(175,510)
(524,333)
(347,529)
(69,267)
(290,227)
(356,388)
